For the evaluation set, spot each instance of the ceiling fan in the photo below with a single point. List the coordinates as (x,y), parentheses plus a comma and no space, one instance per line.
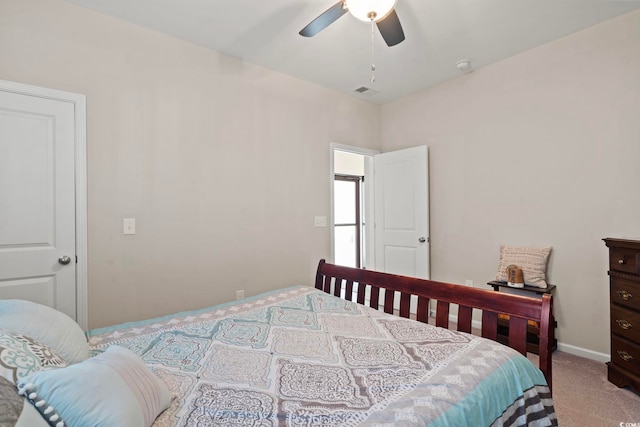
(381,12)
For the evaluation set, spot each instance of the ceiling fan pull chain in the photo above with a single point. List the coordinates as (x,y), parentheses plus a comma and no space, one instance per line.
(373,65)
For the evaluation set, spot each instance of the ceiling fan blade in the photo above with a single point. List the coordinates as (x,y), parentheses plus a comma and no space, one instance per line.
(324,20)
(391,29)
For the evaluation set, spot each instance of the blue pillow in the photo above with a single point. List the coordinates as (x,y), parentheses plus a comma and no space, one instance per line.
(112,389)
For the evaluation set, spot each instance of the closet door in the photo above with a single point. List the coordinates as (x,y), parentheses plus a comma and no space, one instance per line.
(38,200)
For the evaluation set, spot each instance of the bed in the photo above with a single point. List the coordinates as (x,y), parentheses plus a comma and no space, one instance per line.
(350,351)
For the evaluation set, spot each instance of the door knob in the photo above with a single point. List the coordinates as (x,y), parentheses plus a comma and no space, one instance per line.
(64,259)
(422,240)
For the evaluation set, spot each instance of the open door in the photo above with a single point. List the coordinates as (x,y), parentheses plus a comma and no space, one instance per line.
(402,212)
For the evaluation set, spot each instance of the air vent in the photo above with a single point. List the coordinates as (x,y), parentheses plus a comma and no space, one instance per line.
(367,91)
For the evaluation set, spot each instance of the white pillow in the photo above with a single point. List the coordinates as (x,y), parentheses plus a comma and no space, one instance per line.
(30,417)
(112,389)
(47,325)
(532,261)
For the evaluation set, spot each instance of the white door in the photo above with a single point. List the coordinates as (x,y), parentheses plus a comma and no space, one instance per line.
(37,200)
(402,212)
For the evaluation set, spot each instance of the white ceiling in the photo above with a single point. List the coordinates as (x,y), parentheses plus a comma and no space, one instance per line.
(438,34)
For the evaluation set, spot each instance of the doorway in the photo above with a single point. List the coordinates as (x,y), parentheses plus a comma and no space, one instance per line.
(349,226)
(380,220)
(351,205)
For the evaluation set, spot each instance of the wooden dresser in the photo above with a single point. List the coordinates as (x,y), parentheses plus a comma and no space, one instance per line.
(624,282)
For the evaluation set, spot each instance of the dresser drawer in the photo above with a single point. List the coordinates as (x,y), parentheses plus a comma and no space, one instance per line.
(624,259)
(625,292)
(625,354)
(625,323)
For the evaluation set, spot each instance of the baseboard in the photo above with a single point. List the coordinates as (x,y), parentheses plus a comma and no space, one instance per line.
(584,352)
(565,348)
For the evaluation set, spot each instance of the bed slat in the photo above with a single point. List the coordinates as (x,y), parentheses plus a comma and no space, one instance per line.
(464,318)
(518,334)
(490,325)
(405,304)
(349,290)
(374,301)
(327,284)
(362,292)
(442,314)
(337,287)
(388,301)
(422,311)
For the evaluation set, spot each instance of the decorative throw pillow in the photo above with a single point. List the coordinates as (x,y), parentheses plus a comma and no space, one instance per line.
(47,325)
(112,389)
(15,411)
(532,261)
(21,355)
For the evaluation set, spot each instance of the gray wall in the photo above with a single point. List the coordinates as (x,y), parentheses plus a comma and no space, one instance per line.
(540,149)
(223,164)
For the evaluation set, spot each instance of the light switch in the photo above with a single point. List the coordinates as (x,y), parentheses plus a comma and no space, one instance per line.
(320,221)
(129,226)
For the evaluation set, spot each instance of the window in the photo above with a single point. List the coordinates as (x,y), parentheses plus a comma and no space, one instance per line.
(348,220)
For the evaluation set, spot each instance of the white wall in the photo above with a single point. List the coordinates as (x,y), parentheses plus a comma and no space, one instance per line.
(223,164)
(539,149)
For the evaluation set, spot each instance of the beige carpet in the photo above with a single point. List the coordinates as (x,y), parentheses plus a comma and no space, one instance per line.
(583,397)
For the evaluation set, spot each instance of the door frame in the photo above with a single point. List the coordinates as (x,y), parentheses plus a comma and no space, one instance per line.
(369,194)
(80,129)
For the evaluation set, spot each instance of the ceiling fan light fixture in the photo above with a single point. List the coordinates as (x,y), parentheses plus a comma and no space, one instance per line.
(368,10)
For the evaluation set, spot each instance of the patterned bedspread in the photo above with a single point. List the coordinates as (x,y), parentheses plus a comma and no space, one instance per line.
(301,357)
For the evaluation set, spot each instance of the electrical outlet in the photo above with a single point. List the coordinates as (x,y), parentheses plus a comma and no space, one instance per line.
(468,283)
(320,221)
(240,294)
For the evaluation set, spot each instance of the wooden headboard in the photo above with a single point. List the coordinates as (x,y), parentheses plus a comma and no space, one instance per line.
(340,281)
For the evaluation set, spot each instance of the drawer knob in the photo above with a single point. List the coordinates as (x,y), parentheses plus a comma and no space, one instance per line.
(625,295)
(624,324)
(625,356)
(621,261)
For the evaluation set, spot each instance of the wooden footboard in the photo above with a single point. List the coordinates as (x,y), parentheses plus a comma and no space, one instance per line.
(353,284)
